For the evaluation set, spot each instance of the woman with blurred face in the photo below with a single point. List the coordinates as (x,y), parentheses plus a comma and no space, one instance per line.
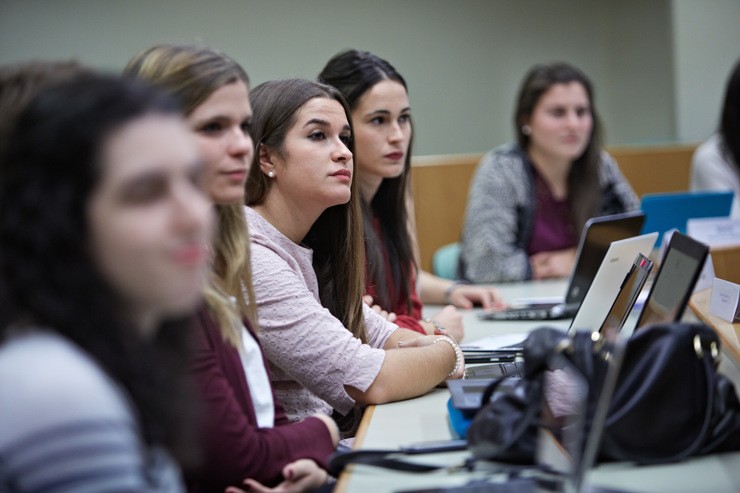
(246,433)
(529,201)
(103,248)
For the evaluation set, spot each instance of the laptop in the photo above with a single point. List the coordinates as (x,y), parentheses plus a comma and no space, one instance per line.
(618,261)
(679,270)
(466,394)
(597,236)
(666,211)
(566,447)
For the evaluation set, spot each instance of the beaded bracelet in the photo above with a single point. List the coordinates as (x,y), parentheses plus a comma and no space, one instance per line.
(456,348)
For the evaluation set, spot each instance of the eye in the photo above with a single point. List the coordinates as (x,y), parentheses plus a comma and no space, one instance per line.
(557,112)
(210,128)
(145,191)
(378,120)
(317,135)
(582,112)
(404,118)
(346,139)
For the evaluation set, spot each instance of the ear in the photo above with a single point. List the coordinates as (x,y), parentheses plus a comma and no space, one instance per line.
(266,159)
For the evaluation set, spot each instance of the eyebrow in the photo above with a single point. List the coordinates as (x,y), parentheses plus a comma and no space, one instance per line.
(387,112)
(323,123)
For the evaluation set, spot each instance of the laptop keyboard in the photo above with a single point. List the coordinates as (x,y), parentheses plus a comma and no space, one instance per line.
(552,313)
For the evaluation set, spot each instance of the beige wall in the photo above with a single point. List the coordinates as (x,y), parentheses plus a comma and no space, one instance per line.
(463,59)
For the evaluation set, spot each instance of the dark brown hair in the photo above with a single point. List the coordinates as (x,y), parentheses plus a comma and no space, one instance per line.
(584,193)
(336,237)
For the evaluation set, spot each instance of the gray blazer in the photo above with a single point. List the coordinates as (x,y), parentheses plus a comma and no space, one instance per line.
(500,213)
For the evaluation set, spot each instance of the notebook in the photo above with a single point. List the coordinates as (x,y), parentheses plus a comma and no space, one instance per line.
(618,261)
(597,236)
(679,269)
(666,211)
(566,448)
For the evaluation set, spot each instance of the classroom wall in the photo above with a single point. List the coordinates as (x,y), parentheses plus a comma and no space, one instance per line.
(706,44)
(463,59)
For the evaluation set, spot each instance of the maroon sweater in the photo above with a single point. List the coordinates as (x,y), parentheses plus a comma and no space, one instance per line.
(234,447)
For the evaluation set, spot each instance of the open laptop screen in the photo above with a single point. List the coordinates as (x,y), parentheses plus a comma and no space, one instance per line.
(599,233)
(679,270)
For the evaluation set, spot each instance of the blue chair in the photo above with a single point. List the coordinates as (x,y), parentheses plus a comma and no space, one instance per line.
(445,259)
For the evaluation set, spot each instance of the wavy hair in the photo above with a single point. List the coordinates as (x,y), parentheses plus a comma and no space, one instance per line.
(47,277)
(191,74)
(336,237)
(354,73)
(584,193)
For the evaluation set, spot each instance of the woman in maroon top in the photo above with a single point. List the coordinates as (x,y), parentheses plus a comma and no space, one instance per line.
(245,431)
(381,116)
(529,200)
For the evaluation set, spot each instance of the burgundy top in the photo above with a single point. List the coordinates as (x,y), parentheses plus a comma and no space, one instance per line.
(234,448)
(553,229)
(405,318)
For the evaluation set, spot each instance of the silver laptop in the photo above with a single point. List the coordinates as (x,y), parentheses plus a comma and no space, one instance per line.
(606,285)
(597,236)
(618,307)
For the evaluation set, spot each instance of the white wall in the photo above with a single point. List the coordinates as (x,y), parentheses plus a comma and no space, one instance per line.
(706,43)
(462,59)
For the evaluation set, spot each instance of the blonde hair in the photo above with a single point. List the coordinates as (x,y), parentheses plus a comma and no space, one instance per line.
(192,74)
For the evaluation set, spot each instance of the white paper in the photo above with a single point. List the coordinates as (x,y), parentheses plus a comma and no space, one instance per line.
(724,300)
(715,232)
(489,343)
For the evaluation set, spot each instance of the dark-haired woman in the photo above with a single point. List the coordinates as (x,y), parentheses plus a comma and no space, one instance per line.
(103,248)
(381,116)
(529,201)
(329,351)
(716,162)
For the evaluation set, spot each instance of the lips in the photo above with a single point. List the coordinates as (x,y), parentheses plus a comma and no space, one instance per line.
(191,255)
(343,174)
(394,156)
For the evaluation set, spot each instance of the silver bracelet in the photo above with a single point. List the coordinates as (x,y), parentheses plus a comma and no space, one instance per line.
(456,348)
(452,287)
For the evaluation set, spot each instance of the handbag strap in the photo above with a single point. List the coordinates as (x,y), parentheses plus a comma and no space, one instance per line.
(708,367)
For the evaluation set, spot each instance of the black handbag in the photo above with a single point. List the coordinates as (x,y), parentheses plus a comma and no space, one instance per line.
(669,402)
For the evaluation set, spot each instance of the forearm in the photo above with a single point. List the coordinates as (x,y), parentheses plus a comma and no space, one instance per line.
(409,372)
(433,288)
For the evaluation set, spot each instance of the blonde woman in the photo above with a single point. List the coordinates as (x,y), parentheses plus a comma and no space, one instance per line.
(246,432)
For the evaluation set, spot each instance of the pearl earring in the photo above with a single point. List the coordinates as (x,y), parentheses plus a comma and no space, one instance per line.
(526,129)
(271,174)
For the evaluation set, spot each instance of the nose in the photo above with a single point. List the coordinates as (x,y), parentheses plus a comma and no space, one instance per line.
(396,133)
(341,152)
(241,144)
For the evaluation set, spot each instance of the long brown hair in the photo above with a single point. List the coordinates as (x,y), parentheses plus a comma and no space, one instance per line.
(192,74)
(336,237)
(584,193)
(354,73)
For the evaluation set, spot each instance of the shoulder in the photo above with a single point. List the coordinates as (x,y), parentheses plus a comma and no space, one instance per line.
(509,156)
(709,151)
(46,377)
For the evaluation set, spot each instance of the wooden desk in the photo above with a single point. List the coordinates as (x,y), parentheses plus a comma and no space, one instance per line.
(729,333)
(425,418)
